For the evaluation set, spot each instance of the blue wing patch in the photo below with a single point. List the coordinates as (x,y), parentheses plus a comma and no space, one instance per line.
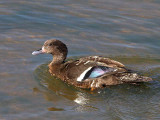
(97,71)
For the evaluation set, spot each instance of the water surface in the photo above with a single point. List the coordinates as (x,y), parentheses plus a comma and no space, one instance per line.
(125,30)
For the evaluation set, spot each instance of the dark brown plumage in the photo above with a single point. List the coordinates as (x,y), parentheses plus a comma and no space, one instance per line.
(87,72)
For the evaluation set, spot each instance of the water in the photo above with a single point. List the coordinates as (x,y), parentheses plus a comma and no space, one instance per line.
(125,30)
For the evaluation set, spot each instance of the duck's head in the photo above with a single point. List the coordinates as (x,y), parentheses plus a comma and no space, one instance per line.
(54,47)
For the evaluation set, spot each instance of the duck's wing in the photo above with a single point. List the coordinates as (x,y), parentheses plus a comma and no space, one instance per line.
(91,67)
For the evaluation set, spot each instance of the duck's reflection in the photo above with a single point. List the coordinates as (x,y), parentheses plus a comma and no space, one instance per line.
(81,98)
(56,90)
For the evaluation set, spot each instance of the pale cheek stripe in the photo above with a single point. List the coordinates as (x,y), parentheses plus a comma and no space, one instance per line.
(80,78)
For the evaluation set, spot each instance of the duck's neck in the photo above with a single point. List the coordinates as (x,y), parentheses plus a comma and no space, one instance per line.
(56,64)
(57,60)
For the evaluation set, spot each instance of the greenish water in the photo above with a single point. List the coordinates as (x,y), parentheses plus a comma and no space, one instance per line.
(124,30)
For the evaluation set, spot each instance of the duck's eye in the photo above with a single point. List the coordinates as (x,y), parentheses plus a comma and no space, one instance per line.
(50,44)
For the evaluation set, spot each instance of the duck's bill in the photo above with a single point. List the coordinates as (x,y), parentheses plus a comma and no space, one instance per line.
(37,52)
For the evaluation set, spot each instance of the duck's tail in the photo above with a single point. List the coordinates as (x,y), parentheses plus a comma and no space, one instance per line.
(134,78)
(143,79)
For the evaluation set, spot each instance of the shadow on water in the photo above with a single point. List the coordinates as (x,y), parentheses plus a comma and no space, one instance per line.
(116,100)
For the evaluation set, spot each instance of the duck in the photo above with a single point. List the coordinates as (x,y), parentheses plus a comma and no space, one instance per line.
(90,72)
